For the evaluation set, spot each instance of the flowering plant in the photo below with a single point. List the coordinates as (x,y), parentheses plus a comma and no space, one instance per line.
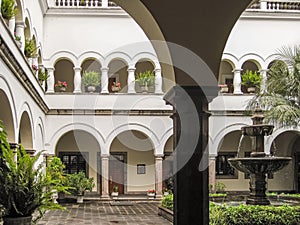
(222,85)
(61,84)
(116,85)
(34,67)
(151,191)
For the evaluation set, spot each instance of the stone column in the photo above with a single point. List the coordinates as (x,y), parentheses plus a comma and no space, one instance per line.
(50,80)
(158,175)
(131,80)
(263,74)
(77,80)
(20,26)
(190,124)
(212,171)
(104,79)
(237,82)
(105,176)
(11,25)
(158,81)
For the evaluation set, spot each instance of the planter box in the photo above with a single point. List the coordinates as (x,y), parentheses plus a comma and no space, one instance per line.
(165,213)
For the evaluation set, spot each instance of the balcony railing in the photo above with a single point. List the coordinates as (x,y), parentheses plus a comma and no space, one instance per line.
(266,5)
(83,3)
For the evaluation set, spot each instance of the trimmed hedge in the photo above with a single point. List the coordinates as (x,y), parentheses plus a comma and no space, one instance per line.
(254,215)
(167,201)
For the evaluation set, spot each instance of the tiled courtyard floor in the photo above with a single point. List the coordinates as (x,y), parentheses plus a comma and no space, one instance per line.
(104,213)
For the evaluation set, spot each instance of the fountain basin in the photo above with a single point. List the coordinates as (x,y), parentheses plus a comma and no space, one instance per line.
(259,165)
(258,130)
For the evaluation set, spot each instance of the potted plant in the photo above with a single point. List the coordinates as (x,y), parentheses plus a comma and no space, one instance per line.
(91,80)
(24,188)
(61,85)
(145,80)
(42,75)
(55,171)
(79,183)
(251,80)
(18,40)
(220,187)
(223,88)
(116,86)
(8,9)
(151,193)
(115,191)
(30,48)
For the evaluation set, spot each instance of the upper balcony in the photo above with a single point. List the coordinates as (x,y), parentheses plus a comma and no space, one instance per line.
(81,4)
(275,5)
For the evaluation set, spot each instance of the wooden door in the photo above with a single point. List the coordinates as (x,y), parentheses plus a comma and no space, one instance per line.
(116,172)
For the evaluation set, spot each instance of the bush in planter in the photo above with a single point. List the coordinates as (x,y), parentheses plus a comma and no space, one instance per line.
(30,48)
(251,79)
(91,78)
(220,187)
(8,9)
(24,189)
(42,75)
(145,79)
(79,183)
(167,202)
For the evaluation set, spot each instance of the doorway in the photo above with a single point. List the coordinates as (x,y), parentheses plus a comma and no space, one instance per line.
(117,171)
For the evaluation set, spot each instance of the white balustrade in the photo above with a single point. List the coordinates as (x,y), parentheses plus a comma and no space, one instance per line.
(275,5)
(82,3)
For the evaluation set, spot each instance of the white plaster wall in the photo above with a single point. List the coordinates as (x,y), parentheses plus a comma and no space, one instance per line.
(262,34)
(96,32)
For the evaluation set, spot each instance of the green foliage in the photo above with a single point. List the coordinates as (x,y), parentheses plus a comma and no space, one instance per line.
(42,74)
(115,189)
(217,194)
(8,9)
(91,78)
(145,78)
(281,97)
(55,172)
(167,201)
(79,183)
(251,79)
(220,187)
(24,189)
(30,48)
(258,215)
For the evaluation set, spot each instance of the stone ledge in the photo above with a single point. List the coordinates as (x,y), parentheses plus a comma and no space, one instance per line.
(165,213)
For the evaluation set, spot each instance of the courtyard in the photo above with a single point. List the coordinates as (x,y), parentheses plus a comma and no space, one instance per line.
(105,213)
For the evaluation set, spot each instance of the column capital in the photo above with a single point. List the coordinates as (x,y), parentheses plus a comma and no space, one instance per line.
(104,69)
(50,69)
(131,69)
(159,156)
(103,156)
(77,68)
(20,24)
(157,70)
(237,70)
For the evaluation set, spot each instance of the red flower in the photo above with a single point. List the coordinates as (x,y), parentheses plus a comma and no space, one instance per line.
(61,84)
(34,67)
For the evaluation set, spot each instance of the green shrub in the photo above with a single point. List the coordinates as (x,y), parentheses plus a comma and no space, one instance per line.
(251,79)
(91,78)
(79,183)
(30,48)
(220,187)
(167,201)
(8,10)
(146,78)
(254,215)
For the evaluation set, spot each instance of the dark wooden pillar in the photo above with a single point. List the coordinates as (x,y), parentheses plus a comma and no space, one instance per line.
(190,121)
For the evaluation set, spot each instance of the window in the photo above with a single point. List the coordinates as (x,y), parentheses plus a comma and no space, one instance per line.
(74,161)
(223,168)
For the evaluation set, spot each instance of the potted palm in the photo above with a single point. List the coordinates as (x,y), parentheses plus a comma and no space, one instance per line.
(30,48)
(79,183)
(91,80)
(145,80)
(24,188)
(42,75)
(251,80)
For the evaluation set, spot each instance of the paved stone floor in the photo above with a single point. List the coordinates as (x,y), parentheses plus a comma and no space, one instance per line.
(104,213)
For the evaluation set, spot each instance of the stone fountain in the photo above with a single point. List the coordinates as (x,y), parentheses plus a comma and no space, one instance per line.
(258,165)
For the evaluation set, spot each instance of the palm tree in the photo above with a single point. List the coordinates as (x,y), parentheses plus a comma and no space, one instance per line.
(281,97)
